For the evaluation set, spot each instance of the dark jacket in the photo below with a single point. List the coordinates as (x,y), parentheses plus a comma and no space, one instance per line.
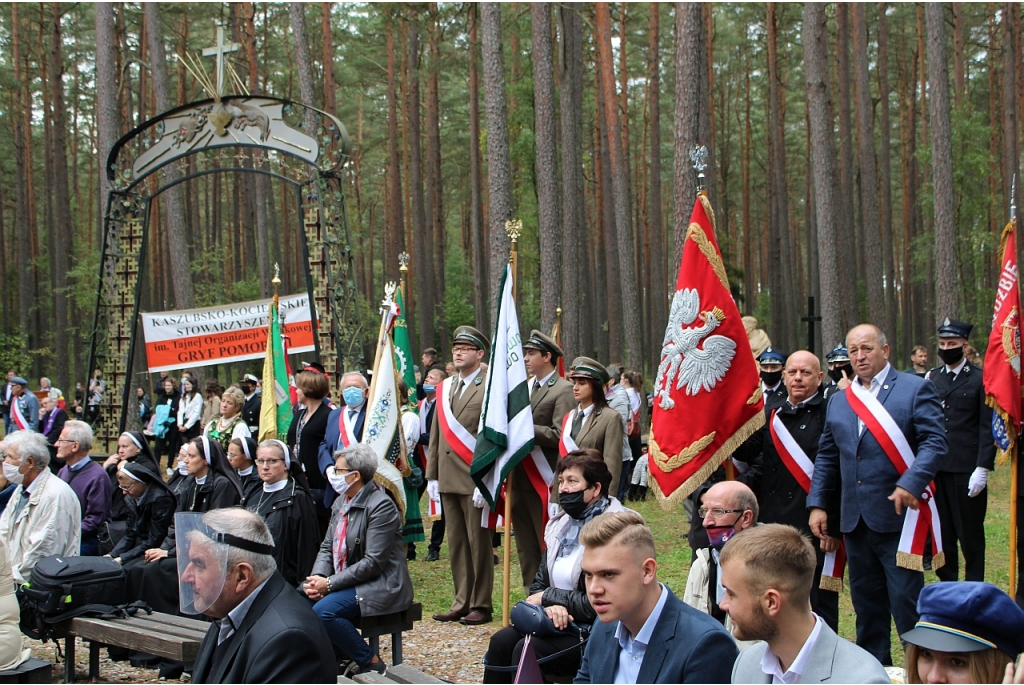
(216,493)
(251,412)
(967,420)
(853,463)
(251,484)
(687,646)
(780,496)
(331,442)
(280,640)
(59,418)
(376,564)
(309,445)
(148,521)
(290,516)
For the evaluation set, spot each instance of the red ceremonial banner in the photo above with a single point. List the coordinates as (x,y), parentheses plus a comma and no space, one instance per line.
(707,393)
(1002,358)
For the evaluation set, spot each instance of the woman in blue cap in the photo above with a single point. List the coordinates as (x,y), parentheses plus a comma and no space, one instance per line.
(968,632)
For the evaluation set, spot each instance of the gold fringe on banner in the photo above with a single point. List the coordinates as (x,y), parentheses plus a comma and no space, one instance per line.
(830,583)
(702,474)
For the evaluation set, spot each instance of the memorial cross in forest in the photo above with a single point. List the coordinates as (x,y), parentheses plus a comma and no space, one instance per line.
(219,50)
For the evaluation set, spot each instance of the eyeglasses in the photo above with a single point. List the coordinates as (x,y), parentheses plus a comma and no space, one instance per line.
(333,471)
(62,440)
(267,462)
(717,513)
(126,489)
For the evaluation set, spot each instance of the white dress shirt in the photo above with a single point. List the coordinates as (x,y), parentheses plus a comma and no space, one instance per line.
(770,662)
(873,388)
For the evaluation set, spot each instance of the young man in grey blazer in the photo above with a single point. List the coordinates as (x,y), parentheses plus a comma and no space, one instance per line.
(767,572)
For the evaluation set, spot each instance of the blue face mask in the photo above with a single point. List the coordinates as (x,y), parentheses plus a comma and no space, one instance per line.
(353,396)
(428,388)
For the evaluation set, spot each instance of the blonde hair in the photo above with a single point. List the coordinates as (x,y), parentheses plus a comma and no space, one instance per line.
(235,395)
(985,666)
(777,556)
(625,527)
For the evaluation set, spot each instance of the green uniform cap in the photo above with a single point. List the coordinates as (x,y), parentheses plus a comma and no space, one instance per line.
(585,367)
(467,335)
(539,341)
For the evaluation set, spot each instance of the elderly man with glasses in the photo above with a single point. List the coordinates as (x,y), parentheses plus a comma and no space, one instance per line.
(88,479)
(43,516)
(726,508)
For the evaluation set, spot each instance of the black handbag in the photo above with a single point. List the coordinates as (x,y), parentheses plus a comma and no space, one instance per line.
(533,620)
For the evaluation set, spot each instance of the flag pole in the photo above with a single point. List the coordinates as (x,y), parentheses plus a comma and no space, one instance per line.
(1015,449)
(514,229)
(403,271)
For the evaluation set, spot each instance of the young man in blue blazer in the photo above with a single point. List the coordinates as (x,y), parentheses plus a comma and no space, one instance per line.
(645,634)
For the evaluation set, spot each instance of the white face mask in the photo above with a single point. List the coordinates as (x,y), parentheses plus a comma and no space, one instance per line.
(182,468)
(12,474)
(339,483)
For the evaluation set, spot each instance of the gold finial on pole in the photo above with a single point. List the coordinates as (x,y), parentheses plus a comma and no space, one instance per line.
(276,280)
(699,158)
(514,229)
(403,269)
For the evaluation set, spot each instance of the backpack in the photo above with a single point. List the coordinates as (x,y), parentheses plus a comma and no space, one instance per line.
(61,588)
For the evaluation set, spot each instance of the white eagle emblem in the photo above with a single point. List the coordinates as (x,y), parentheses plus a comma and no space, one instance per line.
(695,368)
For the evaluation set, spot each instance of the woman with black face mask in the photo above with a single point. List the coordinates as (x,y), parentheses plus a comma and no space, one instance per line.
(559,586)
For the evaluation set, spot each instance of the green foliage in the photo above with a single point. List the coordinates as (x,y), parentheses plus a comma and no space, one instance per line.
(13,354)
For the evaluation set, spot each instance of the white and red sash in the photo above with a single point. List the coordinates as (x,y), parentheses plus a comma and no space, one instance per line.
(918,522)
(566,444)
(19,419)
(458,438)
(347,436)
(801,468)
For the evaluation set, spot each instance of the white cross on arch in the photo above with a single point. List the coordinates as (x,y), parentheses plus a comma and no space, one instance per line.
(219,50)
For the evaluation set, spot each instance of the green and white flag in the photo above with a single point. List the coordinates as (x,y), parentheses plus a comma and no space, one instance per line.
(403,350)
(505,437)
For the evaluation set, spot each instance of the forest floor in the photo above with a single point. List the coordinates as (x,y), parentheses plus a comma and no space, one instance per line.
(455,653)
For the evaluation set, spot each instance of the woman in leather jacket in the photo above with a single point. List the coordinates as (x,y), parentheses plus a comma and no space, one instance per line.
(560,586)
(150,506)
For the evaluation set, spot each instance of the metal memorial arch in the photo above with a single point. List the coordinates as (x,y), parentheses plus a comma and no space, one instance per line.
(297,144)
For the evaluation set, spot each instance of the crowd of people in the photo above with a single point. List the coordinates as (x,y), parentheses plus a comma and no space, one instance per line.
(296,539)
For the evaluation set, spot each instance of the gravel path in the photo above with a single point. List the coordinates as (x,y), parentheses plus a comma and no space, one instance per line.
(448,651)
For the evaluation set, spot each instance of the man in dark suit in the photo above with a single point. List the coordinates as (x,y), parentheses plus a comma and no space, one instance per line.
(263,631)
(428,410)
(344,425)
(853,465)
(5,401)
(645,634)
(51,423)
(961,494)
(550,399)
(778,478)
(452,439)
(770,363)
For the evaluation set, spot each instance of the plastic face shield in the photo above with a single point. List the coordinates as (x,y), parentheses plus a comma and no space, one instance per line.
(202,564)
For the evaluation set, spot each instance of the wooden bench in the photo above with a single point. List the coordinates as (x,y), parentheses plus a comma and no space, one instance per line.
(31,671)
(396,674)
(163,635)
(372,627)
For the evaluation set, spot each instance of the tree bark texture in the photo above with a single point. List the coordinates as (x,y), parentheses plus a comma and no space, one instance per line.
(396,230)
(171,199)
(1011,64)
(435,196)
(849,246)
(260,183)
(547,164)
(499,165)
(106,102)
(885,174)
(688,74)
(423,258)
(835,321)
(62,228)
(477,228)
(946,266)
(658,286)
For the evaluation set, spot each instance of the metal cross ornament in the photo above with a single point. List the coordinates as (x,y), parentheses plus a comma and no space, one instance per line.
(218,51)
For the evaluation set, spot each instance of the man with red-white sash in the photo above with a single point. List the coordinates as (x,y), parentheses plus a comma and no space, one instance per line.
(878,453)
(452,440)
(782,454)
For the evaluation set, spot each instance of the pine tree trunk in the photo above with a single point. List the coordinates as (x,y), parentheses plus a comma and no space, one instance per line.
(327,40)
(658,286)
(885,176)
(850,247)
(499,166)
(22,175)
(868,170)
(959,73)
(435,197)
(946,266)
(171,199)
(1011,164)
(481,270)
(396,223)
(819,105)
(574,248)
(106,103)
(689,73)
(62,229)
(778,198)
(260,183)
(609,279)
(423,258)
(547,165)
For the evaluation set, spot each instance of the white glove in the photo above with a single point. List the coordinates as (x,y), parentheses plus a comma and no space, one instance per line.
(978,481)
(478,499)
(433,490)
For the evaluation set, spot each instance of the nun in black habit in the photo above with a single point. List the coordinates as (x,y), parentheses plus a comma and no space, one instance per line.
(241,455)
(151,506)
(132,447)
(285,504)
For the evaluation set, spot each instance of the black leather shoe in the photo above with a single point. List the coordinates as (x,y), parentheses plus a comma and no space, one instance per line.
(433,556)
